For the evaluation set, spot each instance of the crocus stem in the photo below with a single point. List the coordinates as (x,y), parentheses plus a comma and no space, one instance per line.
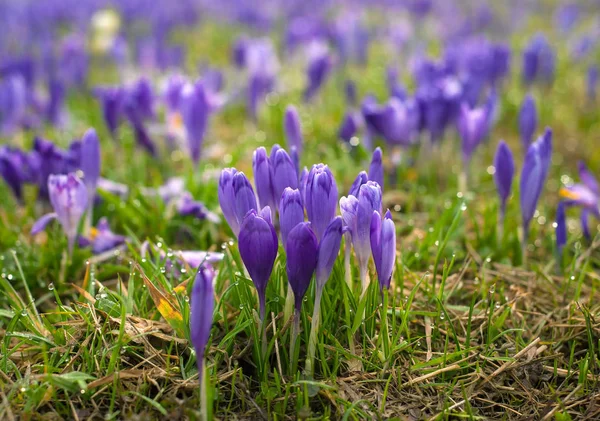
(289,304)
(293,339)
(314,330)
(524,246)
(462,180)
(363,268)
(64,263)
(263,324)
(203,390)
(500,228)
(385,333)
(347,253)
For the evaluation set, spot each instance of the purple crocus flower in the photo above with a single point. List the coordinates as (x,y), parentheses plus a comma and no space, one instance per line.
(302,253)
(539,60)
(321,198)
(69,199)
(187,206)
(350,125)
(357,213)
(90,163)
(319,67)
(585,195)
(195,110)
(263,173)
(473,126)
(350,92)
(227,199)
(376,168)
(302,183)
(262,65)
(533,176)
(383,246)
(56,102)
(244,199)
(258,249)
(329,248)
(13,103)
(505,170)
(284,172)
(17,168)
(291,212)
(101,238)
(396,122)
(111,100)
(527,120)
(360,179)
(201,314)
(293,129)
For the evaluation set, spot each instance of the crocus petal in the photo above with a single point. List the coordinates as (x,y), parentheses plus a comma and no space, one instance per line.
(40,224)
(585,227)
(69,199)
(227,199)
(196,258)
(90,160)
(561,227)
(258,246)
(505,169)
(195,110)
(292,128)
(369,200)
(321,198)
(376,167)
(201,313)
(388,251)
(291,212)
(243,195)
(360,179)
(284,172)
(329,248)
(263,170)
(302,253)
(588,179)
(527,120)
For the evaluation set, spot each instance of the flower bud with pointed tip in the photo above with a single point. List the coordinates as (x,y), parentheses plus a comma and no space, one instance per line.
(302,254)
(383,246)
(360,179)
(90,161)
(258,247)
(244,198)
(263,172)
(201,313)
(329,248)
(527,120)
(284,172)
(376,167)
(227,199)
(505,171)
(321,198)
(293,128)
(195,110)
(291,212)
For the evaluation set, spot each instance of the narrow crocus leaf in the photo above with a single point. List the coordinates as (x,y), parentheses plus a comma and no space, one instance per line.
(291,212)
(69,199)
(41,224)
(258,246)
(263,173)
(284,172)
(321,198)
(505,170)
(90,161)
(201,313)
(243,195)
(329,248)
(293,128)
(166,306)
(227,199)
(376,167)
(527,120)
(302,254)
(561,227)
(383,246)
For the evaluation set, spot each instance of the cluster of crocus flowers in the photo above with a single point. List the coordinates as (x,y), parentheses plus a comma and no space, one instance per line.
(584,195)
(311,247)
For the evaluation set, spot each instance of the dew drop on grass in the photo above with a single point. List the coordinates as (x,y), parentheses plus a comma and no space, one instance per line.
(418,344)
(159,244)
(82,391)
(24,312)
(87,262)
(488,260)
(497,305)
(223,246)
(276,299)
(476,281)
(437,243)
(187,299)
(442,317)
(23,389)
(163,269)
(305,299)
(492,288)
(9,276)
(572,277)
(241,306)
(183,270)
(463,207)
(231,242)
(50,286)
(143,260)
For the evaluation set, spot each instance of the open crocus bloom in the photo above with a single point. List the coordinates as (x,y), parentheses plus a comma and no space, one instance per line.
(585,195)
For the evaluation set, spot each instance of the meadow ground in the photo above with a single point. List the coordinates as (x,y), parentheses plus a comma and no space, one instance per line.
(476,332)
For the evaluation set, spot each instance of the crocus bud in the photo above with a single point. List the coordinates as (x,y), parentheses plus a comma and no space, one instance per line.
(473,126)
(527,121)
(291,212)
(244,198)
(261,165)
(533,176)
(361,179)
(302,254)
(321,198)
(56,102)
(90,161)
(201,313)
(383,246)
(561,227)
(505,170)
(284,172)
(329,248)
(369,200)
(111,100)
(319,67)
(293,128)
(226,198)
(258,249)
(195,110)
(349,126)
(69,199)
(302,183)
(350,91)
(103,239)
(376,168)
